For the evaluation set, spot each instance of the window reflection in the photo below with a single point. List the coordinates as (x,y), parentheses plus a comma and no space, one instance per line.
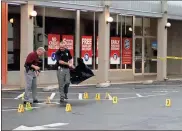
(115,28)
(13,38)
(127,31)
(63,22)
(138,26)
(55,23)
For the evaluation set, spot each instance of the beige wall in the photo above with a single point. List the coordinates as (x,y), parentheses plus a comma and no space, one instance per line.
(174,47)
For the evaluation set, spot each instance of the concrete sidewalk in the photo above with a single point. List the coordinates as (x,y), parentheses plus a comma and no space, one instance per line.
(172,81)
(53,86)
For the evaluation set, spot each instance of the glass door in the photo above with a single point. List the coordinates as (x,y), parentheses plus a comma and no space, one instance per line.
(150,55)
(138,56)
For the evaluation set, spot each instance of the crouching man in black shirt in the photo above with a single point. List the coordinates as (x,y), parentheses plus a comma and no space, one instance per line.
(64,62)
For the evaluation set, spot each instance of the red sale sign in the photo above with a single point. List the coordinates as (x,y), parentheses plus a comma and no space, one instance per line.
(115,50)
(53,46)
(69,40)
(86,49)
(127,51)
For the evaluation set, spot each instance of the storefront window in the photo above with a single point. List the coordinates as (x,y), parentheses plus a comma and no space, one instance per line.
(150,26)
(13,38)
(150,45)
(121,33)
(115,42)
(127,49)
(88,39)
(150,55)
(96,37)
(145,45)
(138,26)
(53,25)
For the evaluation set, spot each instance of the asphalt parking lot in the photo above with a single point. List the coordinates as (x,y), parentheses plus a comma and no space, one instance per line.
(140,107)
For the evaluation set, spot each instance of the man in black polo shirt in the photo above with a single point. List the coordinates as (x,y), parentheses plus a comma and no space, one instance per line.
(64,62)
(31,72)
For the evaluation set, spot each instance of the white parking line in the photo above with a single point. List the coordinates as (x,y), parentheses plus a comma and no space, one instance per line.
(166,91)
(124,98)
(52,95)
(54,99)
(19,96)
(110,97)
(48,104)
(17,109)
(139,95)
(101,99)
(142,96)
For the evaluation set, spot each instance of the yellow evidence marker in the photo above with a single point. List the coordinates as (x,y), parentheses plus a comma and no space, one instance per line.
(48,101)
(21,108)
(115,100)
(85,95)
(97,96)
(68,108)
(28,106)
(107,96)
(168,102)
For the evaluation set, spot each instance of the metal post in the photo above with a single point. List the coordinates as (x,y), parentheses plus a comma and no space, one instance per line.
(77,33)
(117,24)
(94,42)
(121,37)
(117,30)
(133,47)
(43,32)
(125,34)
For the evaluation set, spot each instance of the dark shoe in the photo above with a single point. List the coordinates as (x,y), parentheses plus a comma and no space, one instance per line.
(35,101)
(25,102)
(61,100)
(66,97)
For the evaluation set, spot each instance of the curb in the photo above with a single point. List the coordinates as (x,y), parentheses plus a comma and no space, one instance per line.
(103,85)
(53,87)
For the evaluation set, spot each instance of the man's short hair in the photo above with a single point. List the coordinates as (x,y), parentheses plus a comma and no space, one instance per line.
(41,48)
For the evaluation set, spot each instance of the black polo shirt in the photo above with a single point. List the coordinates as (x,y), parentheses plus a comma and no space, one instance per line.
(64,56)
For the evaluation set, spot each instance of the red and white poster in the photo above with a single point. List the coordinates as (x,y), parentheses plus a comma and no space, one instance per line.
(115,50)
(53,46)
(97,50)
(69,40)
(86,49)
(127,51)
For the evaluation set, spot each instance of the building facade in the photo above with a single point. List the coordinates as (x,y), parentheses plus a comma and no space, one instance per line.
(118,40)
